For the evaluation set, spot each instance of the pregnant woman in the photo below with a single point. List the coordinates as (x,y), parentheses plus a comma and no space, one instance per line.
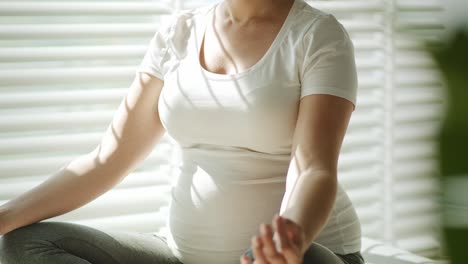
(258,95)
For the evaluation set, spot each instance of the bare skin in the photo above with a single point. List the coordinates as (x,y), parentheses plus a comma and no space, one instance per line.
(237,38)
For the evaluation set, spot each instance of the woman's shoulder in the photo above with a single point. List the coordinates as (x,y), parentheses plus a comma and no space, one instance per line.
(180,22)
(177,28)
(317,23)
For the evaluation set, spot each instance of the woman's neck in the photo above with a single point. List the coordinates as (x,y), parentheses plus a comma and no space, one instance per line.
(242,11)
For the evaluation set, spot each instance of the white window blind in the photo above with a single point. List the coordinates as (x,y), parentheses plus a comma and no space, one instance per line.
(64,66)
(416,111)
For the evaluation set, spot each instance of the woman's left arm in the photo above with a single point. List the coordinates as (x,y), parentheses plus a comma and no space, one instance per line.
(312,176)
(311,179)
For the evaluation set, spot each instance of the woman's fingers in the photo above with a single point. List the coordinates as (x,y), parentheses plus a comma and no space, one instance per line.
(257,249)
(245,260)
(269,248)
(280,228)
(289,250)
(279,243)
(270,251)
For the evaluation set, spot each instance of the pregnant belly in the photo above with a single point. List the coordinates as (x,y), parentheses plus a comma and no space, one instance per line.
(210,216)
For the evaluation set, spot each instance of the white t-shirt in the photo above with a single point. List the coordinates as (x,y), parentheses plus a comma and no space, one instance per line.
(235,131)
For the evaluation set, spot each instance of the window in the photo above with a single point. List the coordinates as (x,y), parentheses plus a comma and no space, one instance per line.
(64,66)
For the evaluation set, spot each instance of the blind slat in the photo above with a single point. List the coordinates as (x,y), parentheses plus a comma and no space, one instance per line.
(31,99)
(58,53)
(64,31)
(30,8)
(67,75)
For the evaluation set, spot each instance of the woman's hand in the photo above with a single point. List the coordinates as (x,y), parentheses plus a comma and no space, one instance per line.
(282,244)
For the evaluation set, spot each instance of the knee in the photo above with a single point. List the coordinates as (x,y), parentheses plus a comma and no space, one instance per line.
(16,244)
(12,244)
(20,235)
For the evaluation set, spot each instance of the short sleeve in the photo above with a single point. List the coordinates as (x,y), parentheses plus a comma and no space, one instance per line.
(157,53)
(329,65)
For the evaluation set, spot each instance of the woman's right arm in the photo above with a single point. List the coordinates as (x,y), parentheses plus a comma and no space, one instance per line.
(130,137)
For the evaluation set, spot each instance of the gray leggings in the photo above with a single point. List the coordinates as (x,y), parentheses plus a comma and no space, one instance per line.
(60,242)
